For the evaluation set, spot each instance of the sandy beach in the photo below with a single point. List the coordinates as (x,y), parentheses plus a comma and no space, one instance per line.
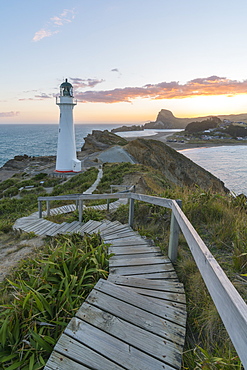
(163,136)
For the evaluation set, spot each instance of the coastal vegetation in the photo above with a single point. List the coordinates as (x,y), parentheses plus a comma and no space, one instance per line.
(212,130)
(219,218)
(39,299)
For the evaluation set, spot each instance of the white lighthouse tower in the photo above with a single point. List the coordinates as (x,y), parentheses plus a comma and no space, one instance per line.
(66,148)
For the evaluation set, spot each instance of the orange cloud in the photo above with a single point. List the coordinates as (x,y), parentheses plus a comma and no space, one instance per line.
(213,85)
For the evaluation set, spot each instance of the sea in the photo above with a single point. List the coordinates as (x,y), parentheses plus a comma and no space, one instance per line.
(228,163)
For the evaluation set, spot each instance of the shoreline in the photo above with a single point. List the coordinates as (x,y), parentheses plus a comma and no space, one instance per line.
(6,173)
(162,136)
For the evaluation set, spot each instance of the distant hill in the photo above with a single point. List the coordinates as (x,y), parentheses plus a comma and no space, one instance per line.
(166,120)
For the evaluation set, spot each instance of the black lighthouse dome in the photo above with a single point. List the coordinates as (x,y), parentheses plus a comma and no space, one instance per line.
(66,89)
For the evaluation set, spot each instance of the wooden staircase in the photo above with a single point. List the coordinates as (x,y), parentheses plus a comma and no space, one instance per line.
(134,320)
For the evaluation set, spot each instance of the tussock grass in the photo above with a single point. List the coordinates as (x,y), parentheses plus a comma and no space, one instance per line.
(77,184)
(221,221)
(38,301)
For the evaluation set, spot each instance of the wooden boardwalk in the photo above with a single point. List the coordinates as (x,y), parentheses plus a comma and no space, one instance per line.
(44,227)
(134,320)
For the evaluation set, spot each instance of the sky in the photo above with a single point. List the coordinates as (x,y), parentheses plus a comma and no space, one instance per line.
(126,59)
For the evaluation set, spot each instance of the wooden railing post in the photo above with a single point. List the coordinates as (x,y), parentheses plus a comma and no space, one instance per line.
(174,235)
(80,209)
(40,208)
(108,205)
(47,208)
(131,210)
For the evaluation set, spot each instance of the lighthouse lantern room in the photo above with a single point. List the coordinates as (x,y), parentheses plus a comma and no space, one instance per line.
(66,148)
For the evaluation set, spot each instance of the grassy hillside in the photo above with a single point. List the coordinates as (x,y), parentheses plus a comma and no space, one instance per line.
(220,220)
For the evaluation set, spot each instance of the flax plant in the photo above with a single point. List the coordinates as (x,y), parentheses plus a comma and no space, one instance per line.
(46,291)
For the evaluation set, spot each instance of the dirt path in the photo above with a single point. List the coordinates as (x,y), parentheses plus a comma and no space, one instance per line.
(14,248)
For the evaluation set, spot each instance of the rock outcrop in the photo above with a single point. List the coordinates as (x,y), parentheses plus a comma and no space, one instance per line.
(128,128)
(175,167)
(166,120)
(101,140)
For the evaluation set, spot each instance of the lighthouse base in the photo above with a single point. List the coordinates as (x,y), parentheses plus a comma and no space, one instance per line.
(75,167)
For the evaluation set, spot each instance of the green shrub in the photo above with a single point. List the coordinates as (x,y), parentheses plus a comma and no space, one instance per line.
(46,292)
(77,184)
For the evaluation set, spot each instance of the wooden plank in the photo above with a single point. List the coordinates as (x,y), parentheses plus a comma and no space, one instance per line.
(171,275)
(58,230)
(32,225)
(126,250)
(40,225)
(160,309)
(163,286)
(229,303)
(127,257)
(116,236)
(146,341)
(142,269)
(94,227)
(119,232)
(118,351)
(45,230)
(83,355)
(175,299)
(111,229)
(120,235)
(130,239)
(141,261)
(116,229)
(57,361)
(143,319)
(67,227)
(86,226)
(125,242)
(73,227)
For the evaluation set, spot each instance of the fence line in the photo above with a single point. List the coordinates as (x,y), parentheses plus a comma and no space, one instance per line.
(230,305)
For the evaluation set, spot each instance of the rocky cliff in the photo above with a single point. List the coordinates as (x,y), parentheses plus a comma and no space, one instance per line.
(101,140)
(175,167)
(166,120)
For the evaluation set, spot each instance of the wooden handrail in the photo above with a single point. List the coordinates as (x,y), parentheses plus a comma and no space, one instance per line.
(230,305)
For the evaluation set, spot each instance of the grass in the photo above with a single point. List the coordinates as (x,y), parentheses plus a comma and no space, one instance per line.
(221,221)
(38,301)
(88,214)
(77,184)
(12,208)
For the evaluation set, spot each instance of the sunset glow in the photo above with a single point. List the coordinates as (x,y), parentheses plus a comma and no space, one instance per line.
(125,62)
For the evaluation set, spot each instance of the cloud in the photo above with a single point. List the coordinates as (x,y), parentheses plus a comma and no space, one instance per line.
(212,85)
(41,96)
(39,35)
(65,17)
(79,83)
(9,114)
(51,28)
